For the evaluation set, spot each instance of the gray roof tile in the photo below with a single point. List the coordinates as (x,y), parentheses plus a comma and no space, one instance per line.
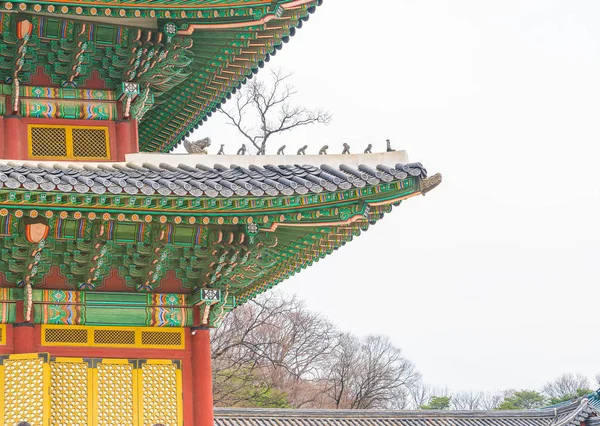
(219,180)
(570,414)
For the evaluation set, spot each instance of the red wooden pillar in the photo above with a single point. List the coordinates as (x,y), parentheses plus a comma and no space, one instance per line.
(23,338)
(14,139)
(127,135)
(23,333)
(202,377)
(123,139)
(135,137)
(2,137)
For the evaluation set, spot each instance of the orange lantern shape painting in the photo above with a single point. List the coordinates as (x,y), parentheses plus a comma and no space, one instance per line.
(24,29)
(36,231)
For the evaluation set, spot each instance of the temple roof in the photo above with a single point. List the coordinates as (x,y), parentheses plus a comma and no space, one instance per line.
(219,180)
(578,413)
(167,223)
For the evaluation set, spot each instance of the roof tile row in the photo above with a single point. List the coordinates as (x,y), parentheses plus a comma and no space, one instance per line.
(217,181)
(576,413)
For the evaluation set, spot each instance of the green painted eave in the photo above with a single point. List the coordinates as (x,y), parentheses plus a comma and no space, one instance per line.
(239,251)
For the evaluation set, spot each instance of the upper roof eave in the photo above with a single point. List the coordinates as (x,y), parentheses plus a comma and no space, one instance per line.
(226,176)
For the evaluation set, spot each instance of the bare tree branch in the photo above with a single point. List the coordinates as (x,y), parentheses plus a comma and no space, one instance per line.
(567,386)
(371,373)
(270,105)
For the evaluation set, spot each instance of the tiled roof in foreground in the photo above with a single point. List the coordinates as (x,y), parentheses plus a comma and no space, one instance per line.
(229,179)
(573,414)
(181,223)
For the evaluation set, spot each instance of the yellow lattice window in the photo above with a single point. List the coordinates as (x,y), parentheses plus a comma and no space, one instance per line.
(161,338)
(48,142)
(24,382)
(70,392)
(50,391)
(116,393)
(131,337)
(160,390)
(68,142)
(114,337)
(2,334)
(90,143)
(66,335)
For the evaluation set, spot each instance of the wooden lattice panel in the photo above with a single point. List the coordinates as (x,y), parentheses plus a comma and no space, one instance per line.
(90,143)
(115,396)
(90,392)
(69,387)
(160,394)
(68,142)
(65,335)
(133,337)
(114,337)
(48,142)
(24,382)
(161,338)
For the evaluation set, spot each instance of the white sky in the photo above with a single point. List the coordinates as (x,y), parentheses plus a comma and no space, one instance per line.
(491,281)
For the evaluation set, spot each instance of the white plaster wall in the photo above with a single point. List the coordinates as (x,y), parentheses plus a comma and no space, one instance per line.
(386,158)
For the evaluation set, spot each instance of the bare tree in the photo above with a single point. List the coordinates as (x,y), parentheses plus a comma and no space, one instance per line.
(492,400)
(477,400)
(369,373)
(268,105)
(343,370)
(467,400)
(271,346)
(301,344)
(273,352)
(419,394)
(400,399)
(566,386)
(236,366)
(597,379)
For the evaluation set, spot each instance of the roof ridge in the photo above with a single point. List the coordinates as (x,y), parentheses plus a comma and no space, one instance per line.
(405,414)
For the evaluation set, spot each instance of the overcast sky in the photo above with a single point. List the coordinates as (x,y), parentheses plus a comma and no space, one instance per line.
(491,281)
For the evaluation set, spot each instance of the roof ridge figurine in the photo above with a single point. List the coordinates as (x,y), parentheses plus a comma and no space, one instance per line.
(197,147)
(389,146)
